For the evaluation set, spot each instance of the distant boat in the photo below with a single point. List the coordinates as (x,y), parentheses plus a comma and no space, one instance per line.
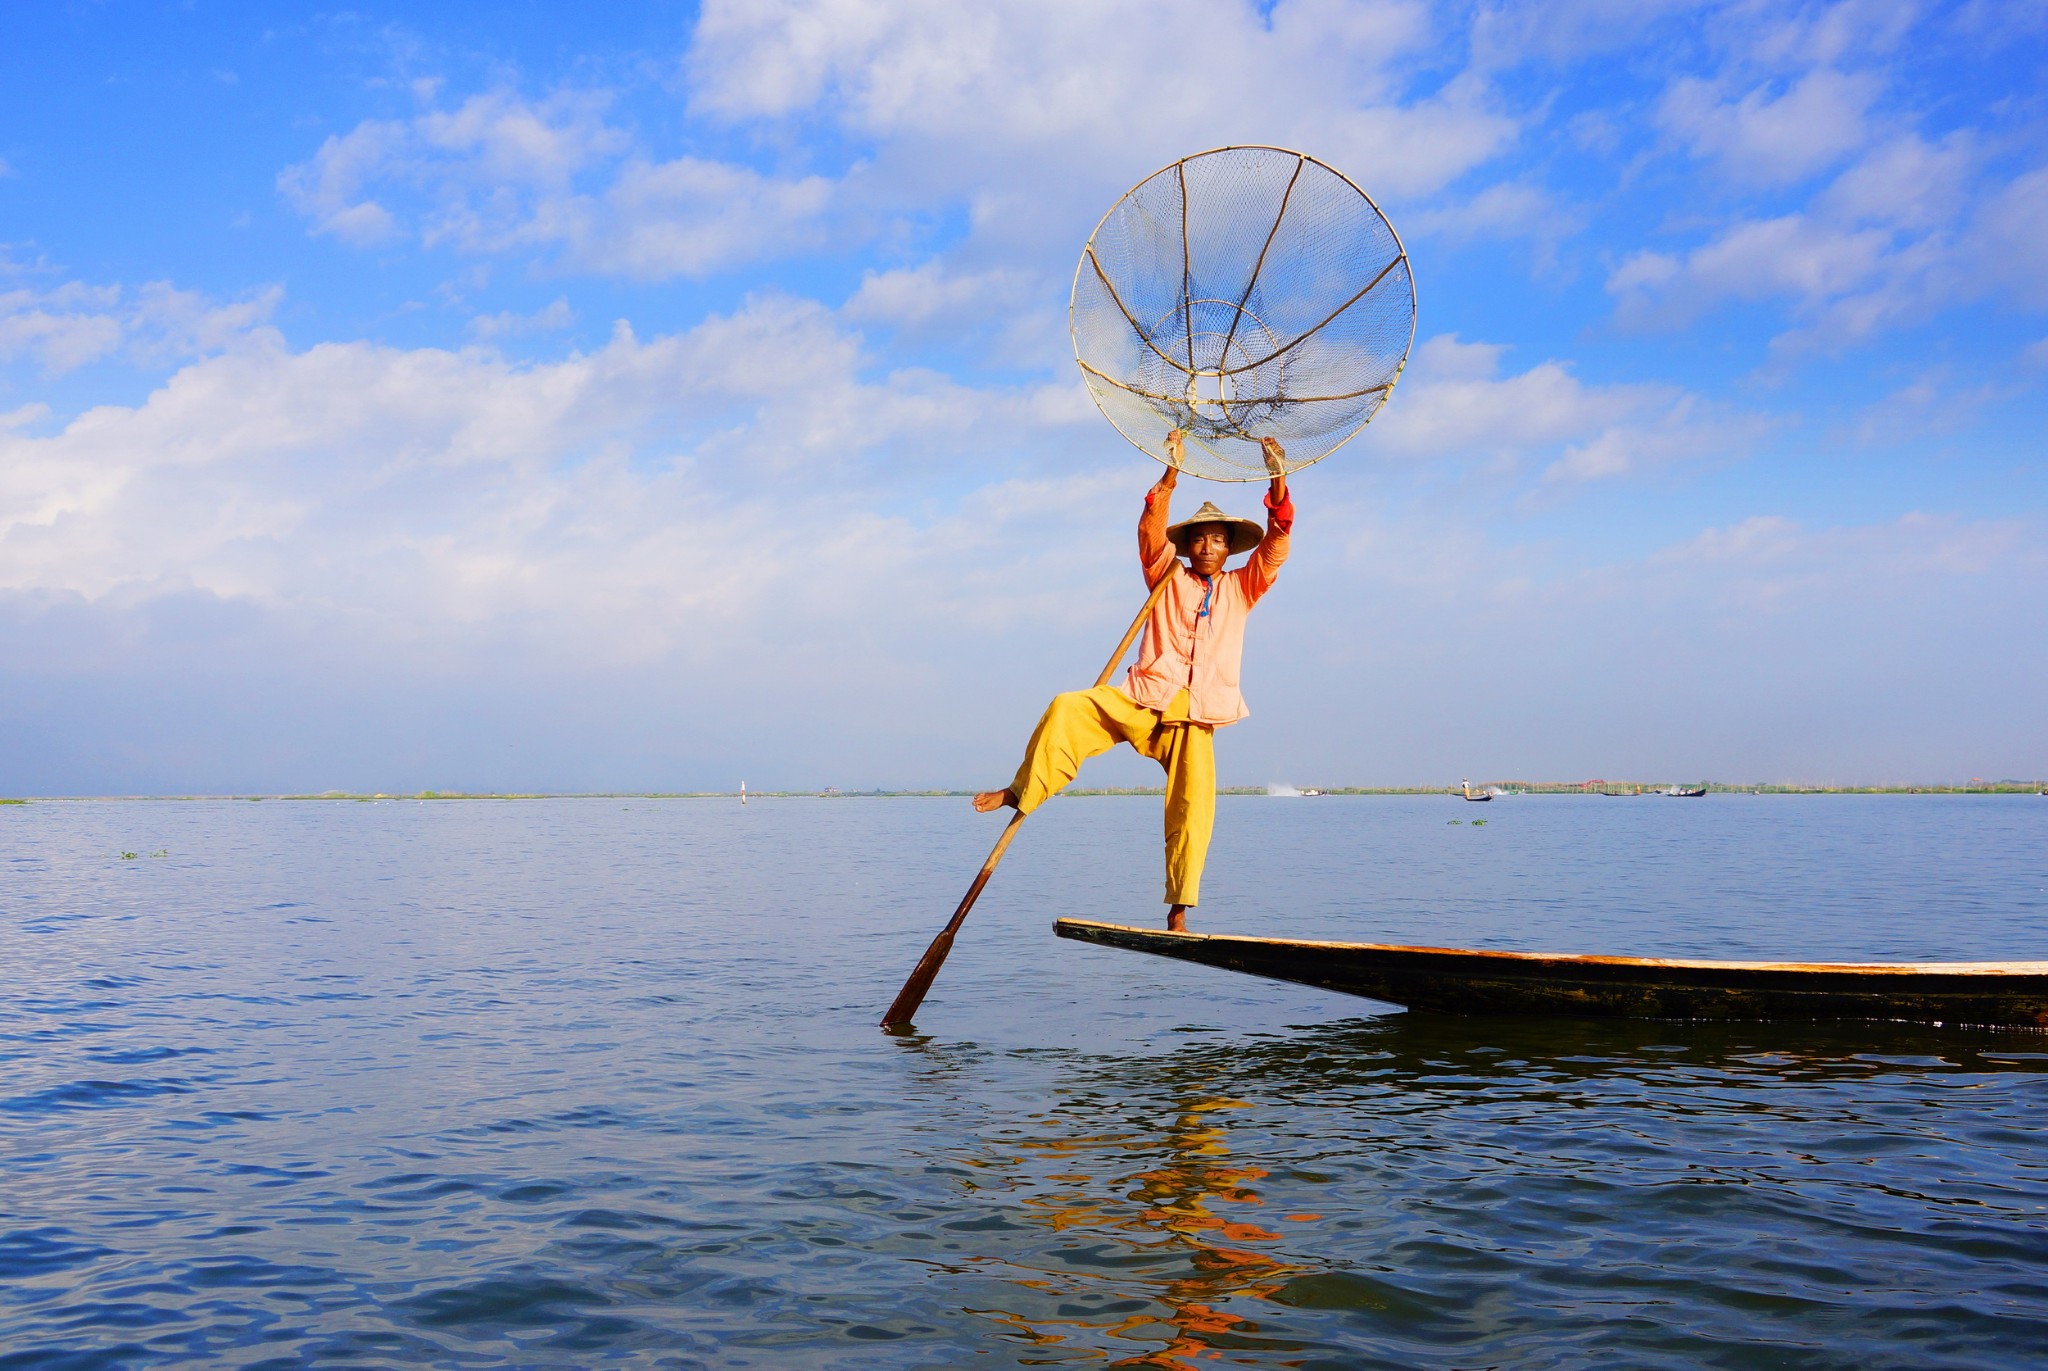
(1684,792)
(1470,795)
(1468,981)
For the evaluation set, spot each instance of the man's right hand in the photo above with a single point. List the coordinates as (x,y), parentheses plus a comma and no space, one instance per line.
(1276,463)
(1176,448)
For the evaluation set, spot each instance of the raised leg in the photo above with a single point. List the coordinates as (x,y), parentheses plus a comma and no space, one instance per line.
(1076,726)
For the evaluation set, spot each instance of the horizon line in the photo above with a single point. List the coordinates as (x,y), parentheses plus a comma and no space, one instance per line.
(1613,788)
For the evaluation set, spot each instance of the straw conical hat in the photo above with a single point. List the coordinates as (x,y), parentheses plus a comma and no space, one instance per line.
(1244,534)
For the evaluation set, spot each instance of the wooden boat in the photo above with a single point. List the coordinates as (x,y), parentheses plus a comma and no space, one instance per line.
(1470,794)
(1468,981)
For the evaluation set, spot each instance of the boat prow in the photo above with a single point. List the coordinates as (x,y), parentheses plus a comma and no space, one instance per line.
(1474,981)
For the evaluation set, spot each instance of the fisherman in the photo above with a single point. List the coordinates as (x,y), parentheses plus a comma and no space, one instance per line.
(1184,685)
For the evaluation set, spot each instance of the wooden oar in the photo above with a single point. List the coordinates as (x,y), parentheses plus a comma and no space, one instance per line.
(927,968)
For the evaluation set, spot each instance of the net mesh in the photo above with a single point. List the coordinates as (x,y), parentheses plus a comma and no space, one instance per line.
(1242,293)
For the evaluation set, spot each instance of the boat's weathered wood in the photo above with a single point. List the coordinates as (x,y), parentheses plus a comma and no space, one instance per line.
(1470,981)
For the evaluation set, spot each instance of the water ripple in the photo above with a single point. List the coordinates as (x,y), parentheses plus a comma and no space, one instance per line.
(568,1085)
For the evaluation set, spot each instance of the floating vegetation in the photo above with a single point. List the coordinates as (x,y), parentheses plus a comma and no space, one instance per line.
(1479,823)
(127,856)
(1455,821)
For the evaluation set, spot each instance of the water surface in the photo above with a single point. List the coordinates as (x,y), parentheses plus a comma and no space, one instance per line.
(596,1083)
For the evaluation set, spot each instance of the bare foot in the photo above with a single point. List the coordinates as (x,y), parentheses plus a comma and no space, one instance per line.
(994,799)
(1177,919)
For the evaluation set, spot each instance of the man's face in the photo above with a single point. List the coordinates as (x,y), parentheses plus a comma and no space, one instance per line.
(1208,548)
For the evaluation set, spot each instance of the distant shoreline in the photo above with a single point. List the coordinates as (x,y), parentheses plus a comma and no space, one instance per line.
(1508,789)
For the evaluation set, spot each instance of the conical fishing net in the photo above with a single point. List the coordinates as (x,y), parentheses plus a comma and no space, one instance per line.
(1238,294)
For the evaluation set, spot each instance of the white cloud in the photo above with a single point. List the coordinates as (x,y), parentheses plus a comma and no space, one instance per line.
(688,528)
(1506,209)
(690,217)
(165,324)
(1752,260)
(1020,85)
(1776,555)
(1763,647)
(1845,284)
(329,189)
(1802,34)
(62,329)
(914,297)
(1908,182)
(1773,139)
(499,173)
(508,140)
(1029,117)
(1771,35)
(2007,247)
(1931,403)
(1684,430)
(1036,115)
(556,315)
(1911,226)
(1018,314)
(1901,235)
(1456,403)
(71,324)
(676,531)
(620,498)
(1509,34)
(1758,536)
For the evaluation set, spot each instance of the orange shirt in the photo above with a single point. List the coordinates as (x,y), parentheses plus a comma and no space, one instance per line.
(1185,649)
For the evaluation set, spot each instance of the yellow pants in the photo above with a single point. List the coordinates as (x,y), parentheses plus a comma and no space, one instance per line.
(1086,723)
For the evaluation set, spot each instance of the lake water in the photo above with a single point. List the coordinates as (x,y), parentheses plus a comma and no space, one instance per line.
(597,1083)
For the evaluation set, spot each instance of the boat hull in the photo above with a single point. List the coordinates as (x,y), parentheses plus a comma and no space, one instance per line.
(1468,981)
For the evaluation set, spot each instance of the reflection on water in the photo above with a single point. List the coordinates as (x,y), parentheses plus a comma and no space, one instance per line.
(1389,1192)
(1172,1210)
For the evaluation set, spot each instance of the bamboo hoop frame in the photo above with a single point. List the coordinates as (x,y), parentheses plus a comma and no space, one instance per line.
(1179,169)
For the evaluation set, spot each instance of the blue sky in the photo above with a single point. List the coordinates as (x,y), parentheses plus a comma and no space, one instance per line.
(661,396)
